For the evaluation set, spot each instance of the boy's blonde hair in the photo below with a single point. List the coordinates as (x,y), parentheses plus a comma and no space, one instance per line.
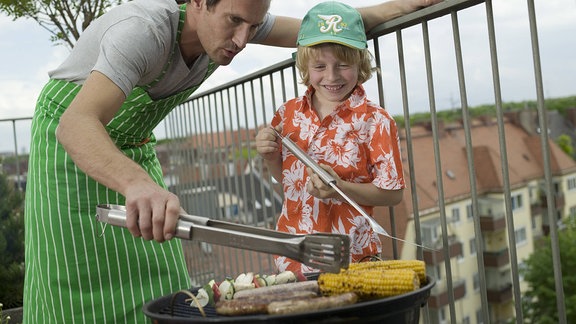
(361,57)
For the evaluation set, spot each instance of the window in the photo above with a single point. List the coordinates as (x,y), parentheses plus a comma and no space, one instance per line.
(434,271)
(442,316)
(520,235)
(476,282)
(572,215)
(571,183)
(479,319)
(429,234)
(521,269)
(469,211)
(516,202)
(473,249)
(456,215)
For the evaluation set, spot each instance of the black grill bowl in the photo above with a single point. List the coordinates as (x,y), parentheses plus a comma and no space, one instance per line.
(399,309)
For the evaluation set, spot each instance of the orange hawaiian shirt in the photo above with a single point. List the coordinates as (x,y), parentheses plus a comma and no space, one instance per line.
(360,141)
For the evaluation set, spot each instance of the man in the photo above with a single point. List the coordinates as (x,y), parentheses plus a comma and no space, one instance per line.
(92,143)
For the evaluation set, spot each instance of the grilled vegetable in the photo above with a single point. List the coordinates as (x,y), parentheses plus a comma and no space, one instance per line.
(417,265)
(202,298)
(244,281)
(226,289)
(260,281)
(285,277)
(369,284)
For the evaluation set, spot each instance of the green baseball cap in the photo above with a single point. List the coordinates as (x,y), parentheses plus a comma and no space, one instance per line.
(332,22)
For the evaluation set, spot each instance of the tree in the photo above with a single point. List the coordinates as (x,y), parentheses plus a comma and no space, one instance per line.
(11,244)
(539,302)
(565,143)
(63,19)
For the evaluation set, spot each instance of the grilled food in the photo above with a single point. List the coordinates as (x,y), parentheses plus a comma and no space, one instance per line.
(375,279)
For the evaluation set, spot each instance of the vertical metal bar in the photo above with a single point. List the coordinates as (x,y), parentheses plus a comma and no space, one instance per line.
(409,147)
(18,175)
(220,149)
(226,181)
(204,143)
(410,151)
(211,177)
(295,81)
(504,162)
(471,169)
(251,163)
(377,52)
(274,110)
(238,178)
(550,199)
(439,177)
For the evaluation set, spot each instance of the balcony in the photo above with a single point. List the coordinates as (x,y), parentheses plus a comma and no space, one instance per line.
(496,259)
(437,256)
(492,223)
(500,294)
(559,201)
(439,296)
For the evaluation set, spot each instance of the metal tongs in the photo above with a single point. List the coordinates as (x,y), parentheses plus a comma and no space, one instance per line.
(327,252)
(329,179)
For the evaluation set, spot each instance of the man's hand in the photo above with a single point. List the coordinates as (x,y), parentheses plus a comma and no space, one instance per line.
(151,212)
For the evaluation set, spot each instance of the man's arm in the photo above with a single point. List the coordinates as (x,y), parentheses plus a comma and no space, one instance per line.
(380,13)
(285,29)
(151,211)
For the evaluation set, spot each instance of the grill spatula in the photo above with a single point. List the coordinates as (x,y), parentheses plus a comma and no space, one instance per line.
(327,252)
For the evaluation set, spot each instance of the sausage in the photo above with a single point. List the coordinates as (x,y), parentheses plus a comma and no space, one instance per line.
(257,304)
(314,304)
(279,295)
(240,307)
(309,285)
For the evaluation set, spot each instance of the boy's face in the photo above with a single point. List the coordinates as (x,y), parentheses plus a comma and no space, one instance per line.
(332,78)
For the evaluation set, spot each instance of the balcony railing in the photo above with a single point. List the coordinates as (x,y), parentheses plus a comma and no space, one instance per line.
(239,189)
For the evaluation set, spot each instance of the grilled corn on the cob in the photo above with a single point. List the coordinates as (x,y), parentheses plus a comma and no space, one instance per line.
(417,265)
(369,284)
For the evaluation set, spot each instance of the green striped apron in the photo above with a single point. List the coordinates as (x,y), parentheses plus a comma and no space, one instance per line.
(74,275)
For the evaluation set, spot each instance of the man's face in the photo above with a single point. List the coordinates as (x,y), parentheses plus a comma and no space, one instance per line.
(226,28)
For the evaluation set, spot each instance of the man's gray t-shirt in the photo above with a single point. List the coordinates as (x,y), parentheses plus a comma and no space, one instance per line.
(132,44)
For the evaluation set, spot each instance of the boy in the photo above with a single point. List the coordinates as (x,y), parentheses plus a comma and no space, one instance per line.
(355,140)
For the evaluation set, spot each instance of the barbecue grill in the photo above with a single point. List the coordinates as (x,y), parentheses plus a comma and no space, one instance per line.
(405,308)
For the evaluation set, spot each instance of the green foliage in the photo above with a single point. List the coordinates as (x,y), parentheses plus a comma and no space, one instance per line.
(559,104)
(11,244)
(565,143)
(63,19)
(539,303)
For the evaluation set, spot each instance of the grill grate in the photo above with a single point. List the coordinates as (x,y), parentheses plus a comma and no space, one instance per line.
(181,308)
(398,309)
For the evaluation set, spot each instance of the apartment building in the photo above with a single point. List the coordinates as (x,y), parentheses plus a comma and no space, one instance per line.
(527,203)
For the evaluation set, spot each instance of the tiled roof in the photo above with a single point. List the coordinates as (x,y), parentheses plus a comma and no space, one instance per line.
(523,151)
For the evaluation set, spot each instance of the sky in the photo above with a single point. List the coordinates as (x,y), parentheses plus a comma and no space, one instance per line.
(27,54)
